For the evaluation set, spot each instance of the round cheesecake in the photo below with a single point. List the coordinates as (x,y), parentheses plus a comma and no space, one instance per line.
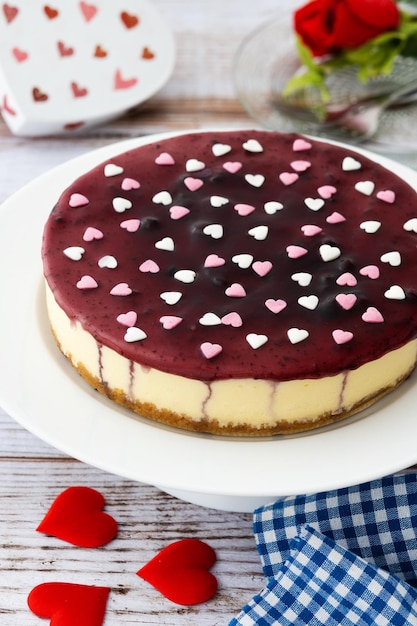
(239,283)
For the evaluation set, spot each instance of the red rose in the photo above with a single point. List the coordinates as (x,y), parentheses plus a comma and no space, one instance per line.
(327,26)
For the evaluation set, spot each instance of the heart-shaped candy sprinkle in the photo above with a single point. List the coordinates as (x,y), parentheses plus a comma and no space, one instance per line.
(210,350)
(370,226)
(107,261)
(244,209)
(256,180)
(77,200)
(232,166)
(149,266)
(220,149)
(370,271)
(342,336)
(218,201)
(194,165)
(386,196)
(288,178)
(309,302)
(295,252)
(162,197)
(232,319)
(185,276)
(372,316)
(347,279)
(87,282)
(236,290)
(134,334)
(130,183)
(335,218)
(165,159)
(170,321)
(395,292)
(77,516)
(167,243)
(130,225)
(127,319)
(346,300)
(393,258)
(171,297)
(411,225)
(310,230)
(272,207)
(180,571)
(365,186)
(300,166)
(193,184)
(329,253)
(91,233)
(350,164)
(214,260)
(259,232)
(111,169)
(177,212)
(256,341)
(67,604)
(243,260)
(302,278)
(121,289)
(253,145)
(210,319)
(295,335)
(213,230)
(300,145)
(74,253)
(262,268)
(326,191)
(314,204)
(275,306)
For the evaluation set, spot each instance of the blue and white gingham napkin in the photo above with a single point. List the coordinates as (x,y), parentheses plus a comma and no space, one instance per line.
(341,558)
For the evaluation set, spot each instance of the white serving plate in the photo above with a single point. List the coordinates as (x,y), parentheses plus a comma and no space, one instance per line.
(42,392)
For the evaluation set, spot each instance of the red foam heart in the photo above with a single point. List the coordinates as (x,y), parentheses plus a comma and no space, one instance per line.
(68,604)
(76,516)
(180,572)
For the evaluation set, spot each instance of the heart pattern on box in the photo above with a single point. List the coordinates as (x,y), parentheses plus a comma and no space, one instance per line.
(102,58)
(180,571)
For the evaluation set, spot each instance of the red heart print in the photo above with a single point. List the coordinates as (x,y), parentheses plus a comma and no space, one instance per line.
(69,604)
(88,10)
(147,53)
(38,95)
(10,12)
(76,516)
(180,572)
(100,52)
(130,21)
(123,83)
(64,51)
(78,92)
(50,12)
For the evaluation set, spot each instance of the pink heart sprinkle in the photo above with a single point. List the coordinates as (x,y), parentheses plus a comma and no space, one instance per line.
(386,196)
(121,289)
(342,336)
(78,199)
(335,218)
(210,350)
(213,260)
(370,271)
(288,178)
(300,166)
(130,183)
(128,319)
(130,225)
(347,279)
(87,282)
(235,291)
(326,191)
(295,252)
(244,209)
(300,145)
(346,300)
(232,319)
(275,306)
(177,212)
(149,266)
(92,233)
(193,183)
(262,268)
(232,166)
(311,229)
(372,315)
(170,321)
(165,159)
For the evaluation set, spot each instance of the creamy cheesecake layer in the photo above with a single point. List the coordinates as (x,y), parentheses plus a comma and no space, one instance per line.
(238,406)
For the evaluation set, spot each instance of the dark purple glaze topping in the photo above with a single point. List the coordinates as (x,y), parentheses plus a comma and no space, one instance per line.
(238,254)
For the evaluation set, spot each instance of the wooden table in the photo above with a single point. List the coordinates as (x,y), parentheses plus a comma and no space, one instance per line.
(199,95)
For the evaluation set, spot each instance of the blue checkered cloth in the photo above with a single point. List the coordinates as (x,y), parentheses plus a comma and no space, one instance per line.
(322,583)
(376,520)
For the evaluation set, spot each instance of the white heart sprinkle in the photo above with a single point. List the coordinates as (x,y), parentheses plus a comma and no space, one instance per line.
(371,226)
(108,261)
(185,276)
(167,243)
(411,225)
(194,165)
(162,197)
(329,253)
(120,205)
(350,164)
(134,334)
(171,297)
(220,149)
(309,302)
(259,232)
(214,230)
(256,341)
(365,186)
(315,204)
(395,292)
(218,201)
(256,180)
(295,335)
(243,260)
(272,207)
(392,258)
(74,253)
(302,278)
(253,145)
(112,170)
(210,319)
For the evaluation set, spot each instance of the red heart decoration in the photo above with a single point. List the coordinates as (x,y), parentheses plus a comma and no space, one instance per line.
(76,516)
(180,573)
(68,604)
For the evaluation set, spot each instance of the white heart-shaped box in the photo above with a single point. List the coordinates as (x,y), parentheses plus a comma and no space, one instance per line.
(72,64)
